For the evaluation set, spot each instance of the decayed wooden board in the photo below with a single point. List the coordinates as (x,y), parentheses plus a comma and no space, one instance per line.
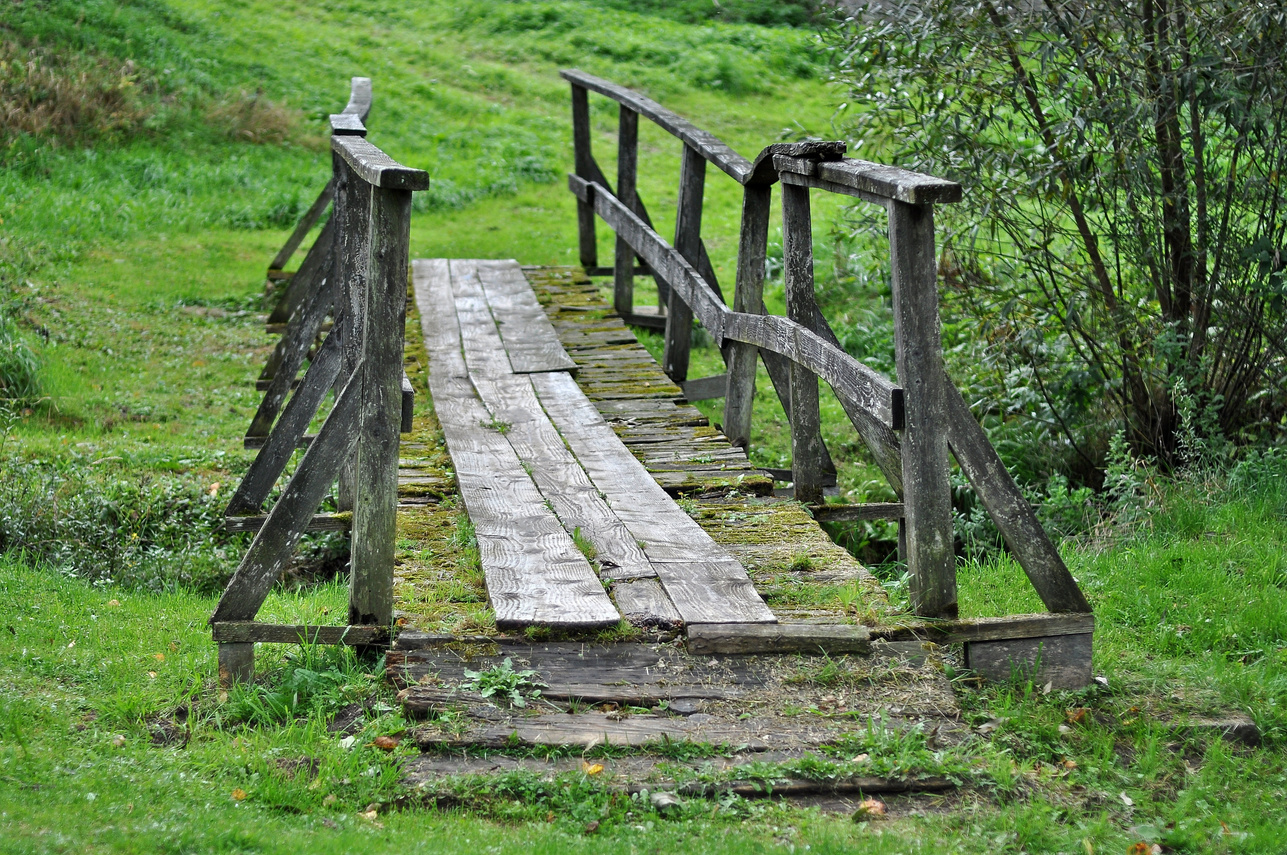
(512,404)
(705,639)
(534,572)
(1063,661)
(716,590)
(992,629)
(528,336)
(319,522)
(249,631)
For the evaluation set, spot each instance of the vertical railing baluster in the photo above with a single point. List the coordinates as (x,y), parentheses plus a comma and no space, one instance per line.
(623,278)
(352,210)
(376,471)
(918,354)
(584,160)
(806,421)
(688,241)
(748,296)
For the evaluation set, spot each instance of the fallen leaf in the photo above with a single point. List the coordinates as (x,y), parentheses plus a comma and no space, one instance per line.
(238,795)
(71,644)
(549,817)
(330,799)
(592,826)
(861,758)
(113,603)
(869,809)
(1126,800)
(591,768)
(214,488)
(159,657)
(1077,715)
(1045,690)
(152,674)
(347,742)
(223,697)
(1070,765)
(385,743)
(118,740)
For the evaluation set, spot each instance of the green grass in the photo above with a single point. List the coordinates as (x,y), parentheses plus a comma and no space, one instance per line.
(133,270)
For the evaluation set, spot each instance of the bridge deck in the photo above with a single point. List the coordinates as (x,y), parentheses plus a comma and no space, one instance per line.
(568,483)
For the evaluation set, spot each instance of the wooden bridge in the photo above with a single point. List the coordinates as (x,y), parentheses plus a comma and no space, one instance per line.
(595,492)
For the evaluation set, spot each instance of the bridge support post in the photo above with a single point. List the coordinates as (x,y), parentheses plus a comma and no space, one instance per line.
(584,164)
(748,296)
(623,274)
(688,241)
(918,353)
(797,253)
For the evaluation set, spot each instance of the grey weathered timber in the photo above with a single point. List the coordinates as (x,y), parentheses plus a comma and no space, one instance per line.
(990,629)
(301,332)
(876,181)
(705,388)
(919,356)
(348,284)
(233,632)
(312,274)
(408,412)
(804,415)
(643,602)
(1062,661)
(511,401)
(253,443)
(347,124)
(704,142)
(236,663)
(525,330)
(359,97)
(302,228)
(748,297)
(855,513)
(705,585)
(623,277)
(533,570)
(865,387)
(380,418)
(272,547)
(688,236)
(585,166)
(764,171)
(286,434)
(591,729)
(828,639)
(376,168)
(319,522)
(1008,507)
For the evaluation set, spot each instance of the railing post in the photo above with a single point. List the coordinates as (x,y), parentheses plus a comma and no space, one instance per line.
(376,470)
(623,275)
(918,348)
(584,163)
(748,296)
(688,241)
(806,421)
(348,275)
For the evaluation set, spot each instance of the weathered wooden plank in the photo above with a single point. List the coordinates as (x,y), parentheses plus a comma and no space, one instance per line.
(255,442)
(380,420)
(804,415)
(512,402)
(700,578)
(293,347)
(359,97)
(319,522)
(705,388)
(587,242)
(643,602)
(528,337)
(348,281)
(1009,509)
(288,433)
(377,168)
(408,413)
(991,629)
(918,353)
(623,277)
(704,142)
(748,297)
(301,230)
(855,513)
(534,572)
(764,171)
(884,182)
(1062,661)
(589,729)
(829,639)
(688,237)
(236,663)
(273,546)
(226,632)
(346,124)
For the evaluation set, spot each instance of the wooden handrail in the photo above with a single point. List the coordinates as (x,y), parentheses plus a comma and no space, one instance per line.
(926,409)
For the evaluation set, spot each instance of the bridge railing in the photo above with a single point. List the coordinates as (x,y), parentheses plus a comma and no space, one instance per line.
(361,279)
(909,427)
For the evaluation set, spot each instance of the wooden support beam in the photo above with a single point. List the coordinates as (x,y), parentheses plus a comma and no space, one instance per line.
(623,282)
(1060,661)
(586,240)
(804,415)
(705,388)
(249,632)
(748,297)
(705,639)
(688,237)
(319,522)
(919,356)
(989,629)
(857,513)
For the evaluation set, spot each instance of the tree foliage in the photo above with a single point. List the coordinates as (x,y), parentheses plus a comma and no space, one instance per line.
(1123,225)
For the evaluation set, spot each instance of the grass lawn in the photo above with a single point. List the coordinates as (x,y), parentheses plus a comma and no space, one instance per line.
(134,269)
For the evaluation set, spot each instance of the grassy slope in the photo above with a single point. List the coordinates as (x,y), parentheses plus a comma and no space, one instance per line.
(146,250)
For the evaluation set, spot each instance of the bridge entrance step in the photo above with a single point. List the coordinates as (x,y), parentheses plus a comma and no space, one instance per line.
(548,485)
